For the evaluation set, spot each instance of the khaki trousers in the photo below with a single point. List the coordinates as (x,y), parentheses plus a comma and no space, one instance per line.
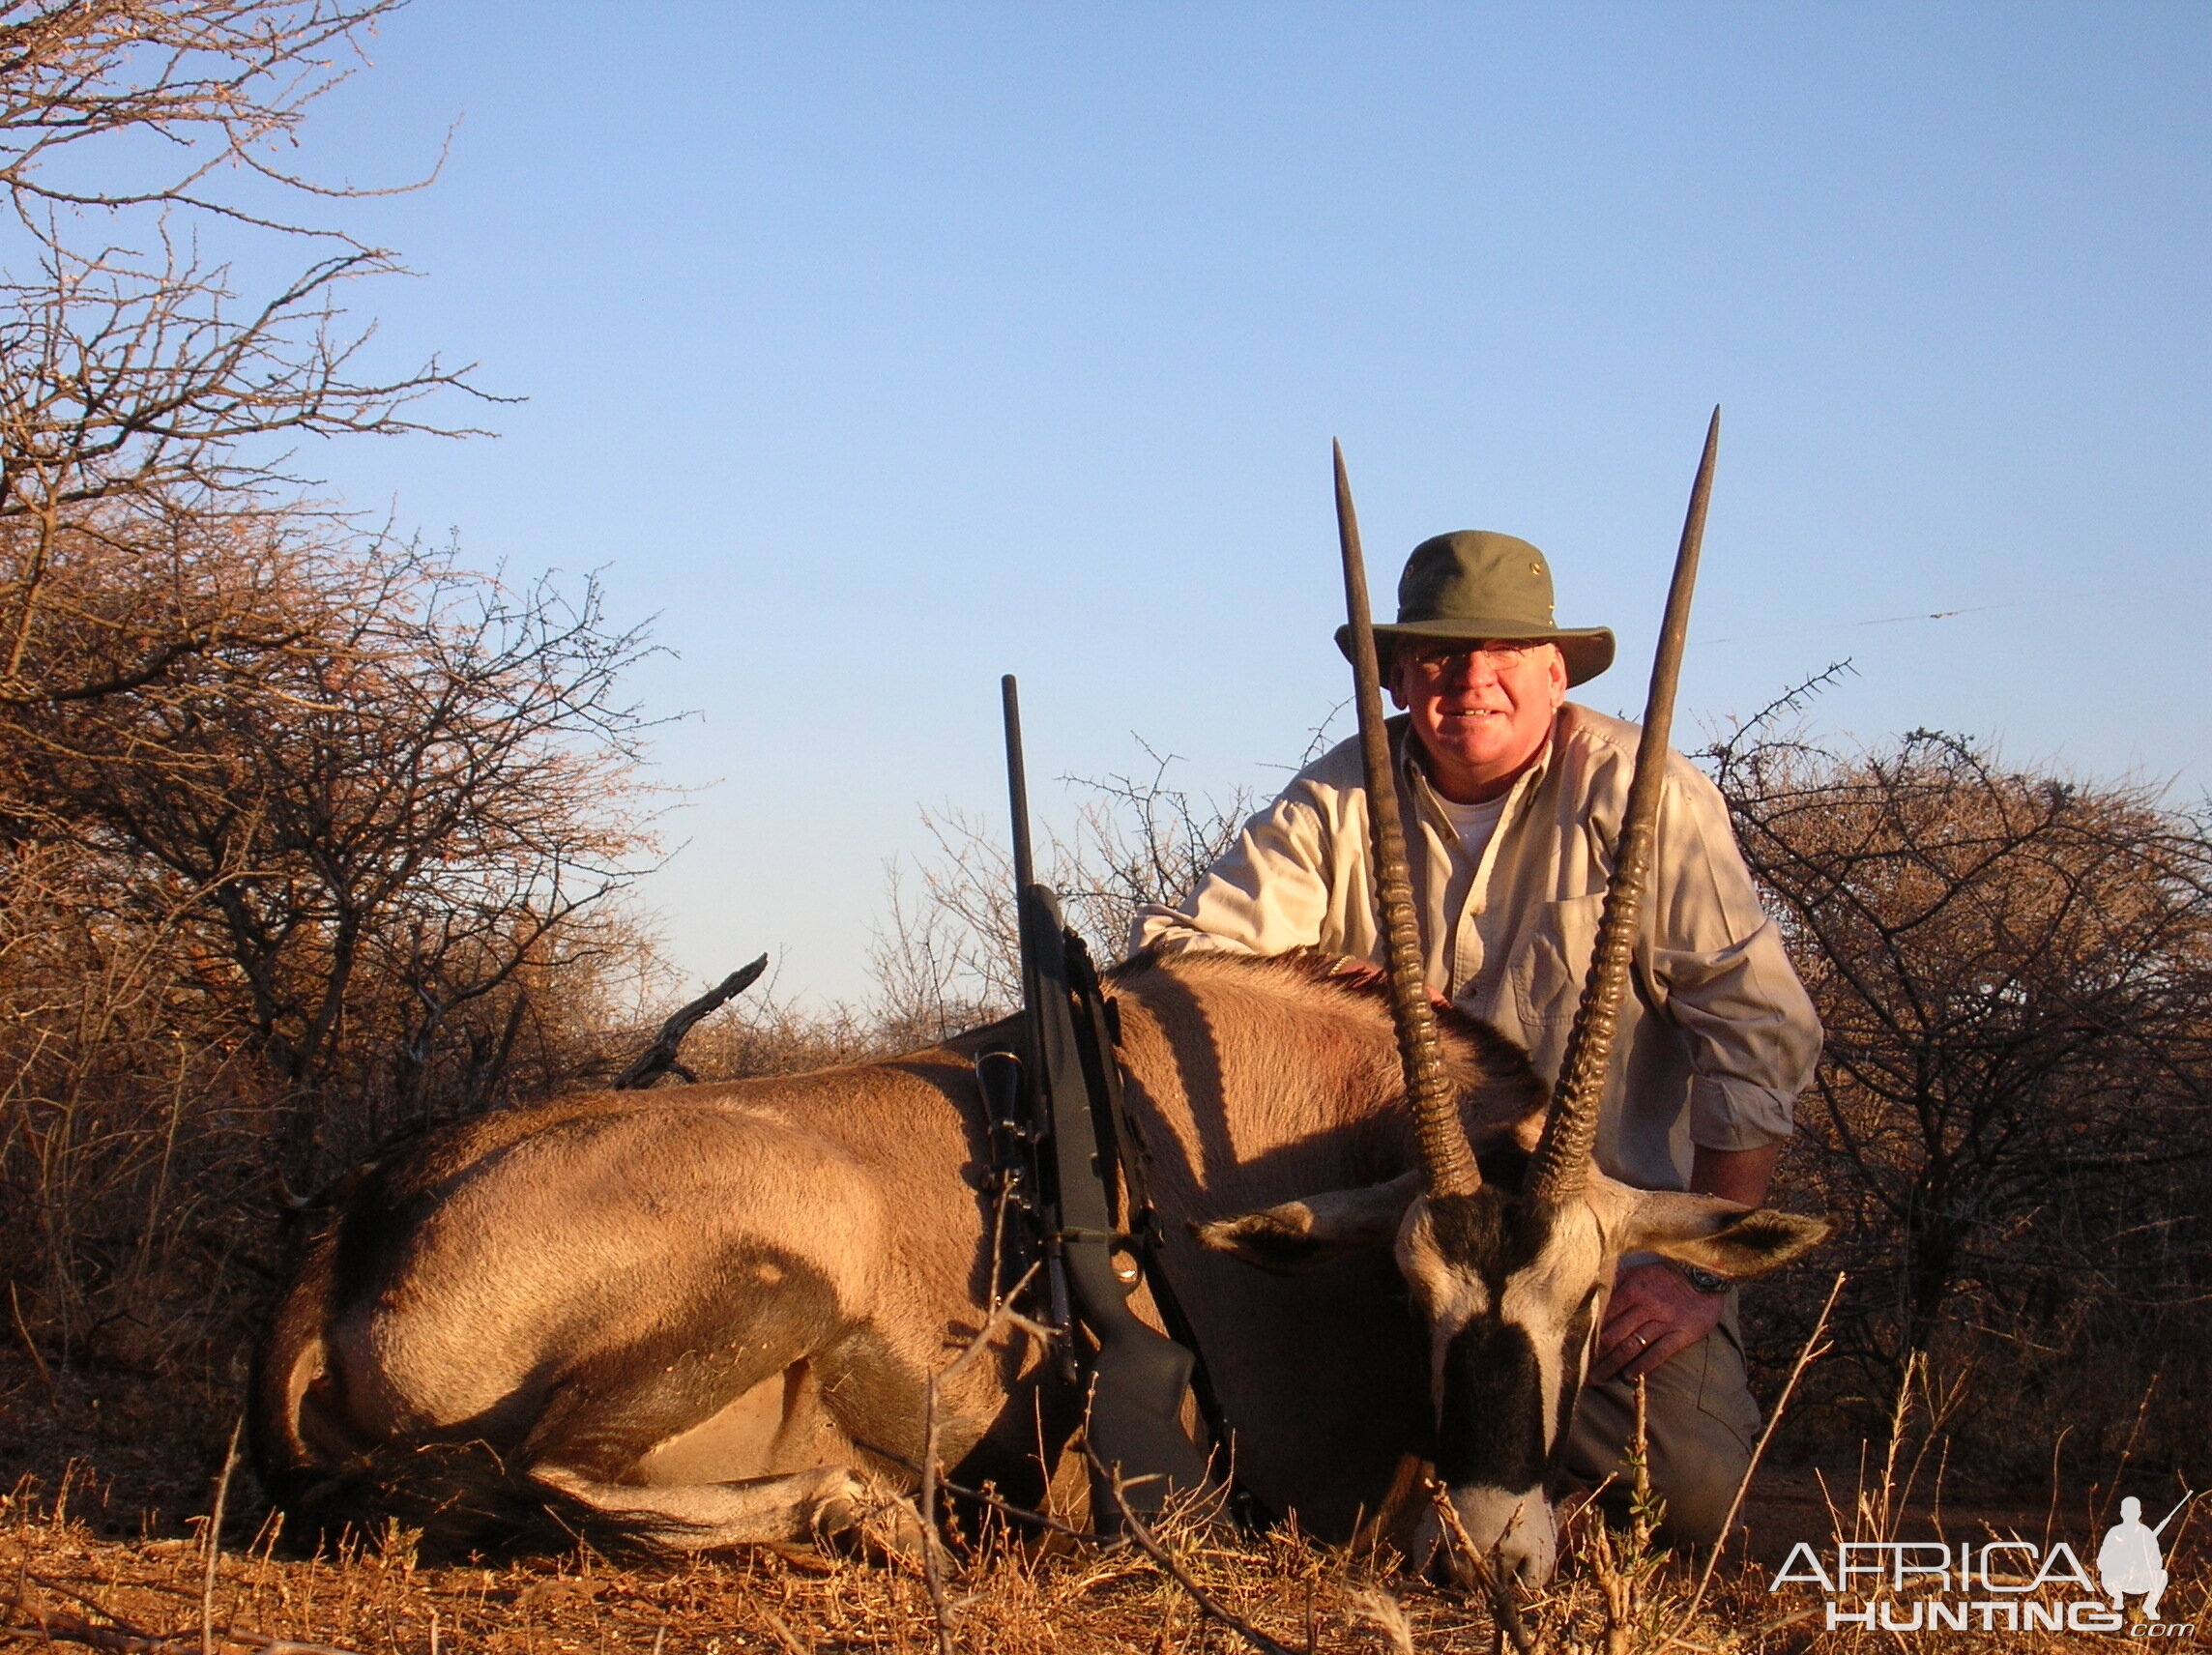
(1701,1423)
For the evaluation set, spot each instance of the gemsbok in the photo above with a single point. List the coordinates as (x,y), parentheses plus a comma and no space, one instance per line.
(704,1315)
(701,1315)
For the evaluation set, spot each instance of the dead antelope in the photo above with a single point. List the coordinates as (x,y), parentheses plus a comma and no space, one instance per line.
(702,1316)
(706,1316)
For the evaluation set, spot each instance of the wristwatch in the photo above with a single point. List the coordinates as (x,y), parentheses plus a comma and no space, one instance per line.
(1705,1281)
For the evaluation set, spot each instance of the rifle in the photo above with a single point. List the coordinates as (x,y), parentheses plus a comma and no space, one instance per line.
(1058,1106)
(2174,1513)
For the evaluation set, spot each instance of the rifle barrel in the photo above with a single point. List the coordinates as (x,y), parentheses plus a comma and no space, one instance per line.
(1017,783)
(2175,1512)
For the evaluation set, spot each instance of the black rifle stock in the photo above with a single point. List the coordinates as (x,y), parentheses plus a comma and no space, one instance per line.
(1138,1375)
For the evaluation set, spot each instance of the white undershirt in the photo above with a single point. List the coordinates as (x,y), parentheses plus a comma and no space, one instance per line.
(1474,823)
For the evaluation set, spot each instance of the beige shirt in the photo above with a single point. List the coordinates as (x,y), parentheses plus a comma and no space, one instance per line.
(1719,1037)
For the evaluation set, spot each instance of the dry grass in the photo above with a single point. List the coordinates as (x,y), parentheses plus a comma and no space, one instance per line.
(111,1558)
(68,1582)
(80,1585)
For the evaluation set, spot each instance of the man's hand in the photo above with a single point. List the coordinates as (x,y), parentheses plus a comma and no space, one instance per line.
(1654,1314)
(1365,974)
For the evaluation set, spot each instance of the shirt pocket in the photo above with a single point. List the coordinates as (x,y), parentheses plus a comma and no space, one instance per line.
(1547,976)
(1545,980)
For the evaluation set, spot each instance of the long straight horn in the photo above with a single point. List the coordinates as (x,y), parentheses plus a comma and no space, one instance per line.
(1562,1158)
(1445,1155)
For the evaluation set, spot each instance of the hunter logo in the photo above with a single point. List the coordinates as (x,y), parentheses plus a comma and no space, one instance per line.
(1996,1585)
(2129,1559)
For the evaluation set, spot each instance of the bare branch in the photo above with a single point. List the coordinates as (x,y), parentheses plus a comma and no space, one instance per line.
(1149,1544)
(660,1059)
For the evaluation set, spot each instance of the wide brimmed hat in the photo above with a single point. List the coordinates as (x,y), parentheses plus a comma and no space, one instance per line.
(1472,585)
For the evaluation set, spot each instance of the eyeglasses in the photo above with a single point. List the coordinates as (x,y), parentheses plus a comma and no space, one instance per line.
(1445,659)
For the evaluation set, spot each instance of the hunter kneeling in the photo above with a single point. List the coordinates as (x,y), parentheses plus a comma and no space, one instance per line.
(1513,799)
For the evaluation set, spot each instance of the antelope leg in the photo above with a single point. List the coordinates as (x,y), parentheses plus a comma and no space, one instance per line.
(699,1517)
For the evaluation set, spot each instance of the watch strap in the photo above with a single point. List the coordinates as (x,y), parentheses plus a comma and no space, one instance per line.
(1704,1280)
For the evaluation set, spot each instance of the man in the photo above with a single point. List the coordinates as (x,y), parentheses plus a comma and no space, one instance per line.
(1512,799)
(2129,1559)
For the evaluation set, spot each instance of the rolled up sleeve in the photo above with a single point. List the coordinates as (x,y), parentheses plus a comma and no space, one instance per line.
(1267,894)
(1728,1114)
(1748,1027)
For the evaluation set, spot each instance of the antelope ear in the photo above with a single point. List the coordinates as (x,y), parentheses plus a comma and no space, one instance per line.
(1719,1236)
(1298,1236)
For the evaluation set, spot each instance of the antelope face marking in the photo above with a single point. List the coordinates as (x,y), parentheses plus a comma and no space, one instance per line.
(1513,1290)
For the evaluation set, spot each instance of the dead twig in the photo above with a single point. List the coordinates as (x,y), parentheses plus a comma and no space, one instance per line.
(1806,1358)
(214,1540)
(1501,1595)
(932,1552)
(660,1058)
(54,1626)
(1002,1314)
(1149,1544)
(38,1361)
(1616,1592)
(984,1497)
(25,1580)
(782,1633)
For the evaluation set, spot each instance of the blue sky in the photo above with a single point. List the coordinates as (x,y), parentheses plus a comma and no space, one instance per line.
(879,350)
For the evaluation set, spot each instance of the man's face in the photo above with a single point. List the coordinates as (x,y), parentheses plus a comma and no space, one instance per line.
(1481,711)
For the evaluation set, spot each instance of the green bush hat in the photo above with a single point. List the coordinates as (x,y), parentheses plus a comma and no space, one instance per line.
(1472,585)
